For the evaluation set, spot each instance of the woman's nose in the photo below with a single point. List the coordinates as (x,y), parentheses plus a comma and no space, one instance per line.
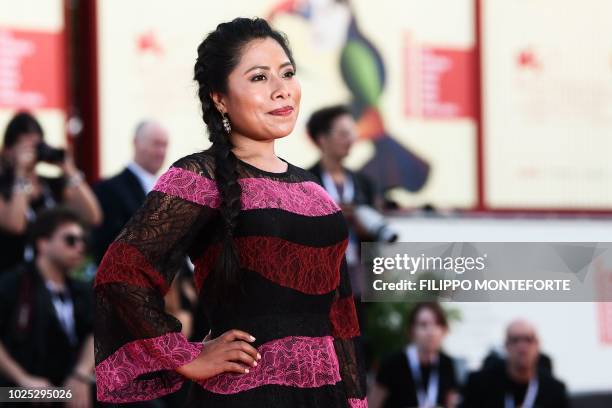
(280,89)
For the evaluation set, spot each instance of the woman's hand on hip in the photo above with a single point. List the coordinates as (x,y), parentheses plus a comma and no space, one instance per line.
(230,352)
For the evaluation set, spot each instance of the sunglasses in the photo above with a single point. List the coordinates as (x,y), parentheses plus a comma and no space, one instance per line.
(517,339)
(73,239)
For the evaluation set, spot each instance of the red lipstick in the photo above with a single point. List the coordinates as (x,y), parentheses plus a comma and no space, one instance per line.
(284,111)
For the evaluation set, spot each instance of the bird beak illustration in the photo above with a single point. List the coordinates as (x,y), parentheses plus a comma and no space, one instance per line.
(296,7)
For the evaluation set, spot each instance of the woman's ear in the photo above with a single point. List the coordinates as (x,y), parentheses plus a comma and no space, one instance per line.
(219,101)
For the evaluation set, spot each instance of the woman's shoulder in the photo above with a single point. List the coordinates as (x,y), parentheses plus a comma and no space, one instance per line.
(190,178)
(201,163)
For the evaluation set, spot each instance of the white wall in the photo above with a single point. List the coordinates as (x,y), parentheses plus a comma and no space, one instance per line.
(569,332)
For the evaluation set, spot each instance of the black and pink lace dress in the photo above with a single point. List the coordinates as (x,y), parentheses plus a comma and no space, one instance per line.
(291,238)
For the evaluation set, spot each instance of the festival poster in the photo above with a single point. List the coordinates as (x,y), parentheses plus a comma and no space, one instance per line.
(33,65)
(352,52)
(547,103)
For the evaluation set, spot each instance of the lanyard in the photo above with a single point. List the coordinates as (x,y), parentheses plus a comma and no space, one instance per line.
(427,398)
(348,191)
(530,396)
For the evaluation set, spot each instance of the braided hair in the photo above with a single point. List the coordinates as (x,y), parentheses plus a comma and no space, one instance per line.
(218,54)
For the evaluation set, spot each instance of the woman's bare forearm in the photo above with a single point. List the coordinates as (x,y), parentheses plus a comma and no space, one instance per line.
(13,212)
(83,200)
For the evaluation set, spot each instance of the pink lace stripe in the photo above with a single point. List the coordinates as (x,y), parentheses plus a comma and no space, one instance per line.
(116,375)
(305,198)
(295,361)
(358,403)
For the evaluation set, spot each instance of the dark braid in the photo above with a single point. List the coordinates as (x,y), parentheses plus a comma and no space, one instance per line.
(218,55)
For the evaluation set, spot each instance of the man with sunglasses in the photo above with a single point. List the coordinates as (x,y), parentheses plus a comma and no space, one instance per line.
(520,381)
(46,316)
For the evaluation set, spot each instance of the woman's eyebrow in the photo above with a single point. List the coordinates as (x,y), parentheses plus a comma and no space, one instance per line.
(267,68)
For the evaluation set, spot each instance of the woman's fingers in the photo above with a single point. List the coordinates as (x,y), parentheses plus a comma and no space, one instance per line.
(236,334)
(239,355)
(247,348)
(233,367)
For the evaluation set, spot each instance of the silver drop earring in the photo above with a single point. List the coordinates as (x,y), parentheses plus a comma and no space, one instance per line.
(226,124)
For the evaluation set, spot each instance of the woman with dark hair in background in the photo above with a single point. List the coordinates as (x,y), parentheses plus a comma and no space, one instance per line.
(23,192)
(420,375)
(268,247)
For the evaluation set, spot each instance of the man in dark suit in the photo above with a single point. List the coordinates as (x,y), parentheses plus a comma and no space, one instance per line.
(46,316)
(120,196)
(521,381)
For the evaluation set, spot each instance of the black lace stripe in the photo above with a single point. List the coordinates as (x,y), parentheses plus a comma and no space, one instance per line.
(162,229)
(344,289)
(272,327)
(263,296)
(116,305)
(352,372)
(204,162)
(271,396)
(316,231)
(294,174)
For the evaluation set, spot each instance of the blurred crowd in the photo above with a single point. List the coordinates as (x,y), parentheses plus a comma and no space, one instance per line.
(55,230)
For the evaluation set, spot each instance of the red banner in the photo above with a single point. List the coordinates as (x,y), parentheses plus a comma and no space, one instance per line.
(439,82)
(32,69)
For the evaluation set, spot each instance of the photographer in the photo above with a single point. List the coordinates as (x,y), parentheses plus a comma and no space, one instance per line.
(23,193)
(334,131)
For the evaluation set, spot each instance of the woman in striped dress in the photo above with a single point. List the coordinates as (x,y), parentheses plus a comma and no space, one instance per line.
(268,247)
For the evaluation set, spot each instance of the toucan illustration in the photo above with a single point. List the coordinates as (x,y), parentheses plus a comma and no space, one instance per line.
(362,68)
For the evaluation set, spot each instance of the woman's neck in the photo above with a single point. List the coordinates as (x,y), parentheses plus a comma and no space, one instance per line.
(258,153)
(247,148)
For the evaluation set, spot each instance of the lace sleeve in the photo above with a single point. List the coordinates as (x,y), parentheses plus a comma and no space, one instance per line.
(137,344)
(345,330)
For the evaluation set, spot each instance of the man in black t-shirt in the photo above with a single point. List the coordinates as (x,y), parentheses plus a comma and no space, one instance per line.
(518,382)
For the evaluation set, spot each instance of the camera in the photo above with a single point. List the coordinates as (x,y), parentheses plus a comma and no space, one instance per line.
(46,153)
(374,223)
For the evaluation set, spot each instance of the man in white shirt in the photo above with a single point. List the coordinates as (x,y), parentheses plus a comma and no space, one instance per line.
(121,195)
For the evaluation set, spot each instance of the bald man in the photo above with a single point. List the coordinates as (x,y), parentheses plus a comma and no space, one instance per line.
(519,381)
(120,196)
